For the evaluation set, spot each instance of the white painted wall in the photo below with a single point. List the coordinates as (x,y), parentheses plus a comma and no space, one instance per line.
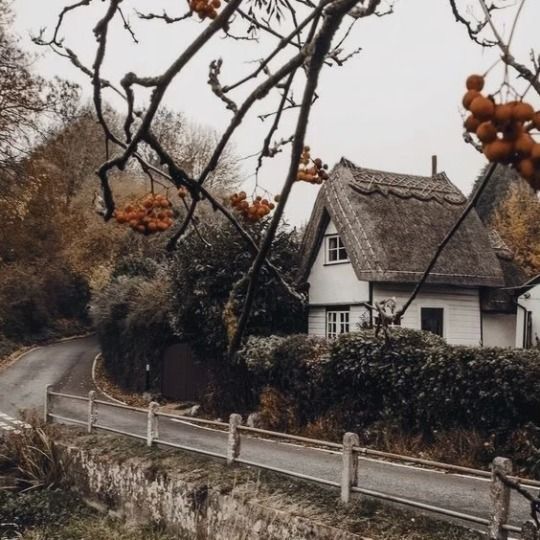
(531,302)
(498,329)
(317,319)
(462,318)
(334,284)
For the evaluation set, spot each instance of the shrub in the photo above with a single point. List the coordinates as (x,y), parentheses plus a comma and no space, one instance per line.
(291,365)
(32,459)
(258,355)
(203,276)
(277,411)
(131,316)
(413,380)
(34,301)
(38,509)
(423,383)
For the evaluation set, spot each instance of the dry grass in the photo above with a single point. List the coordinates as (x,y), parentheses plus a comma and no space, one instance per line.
(31,459)
(467,448)
(277,412)
(97,528)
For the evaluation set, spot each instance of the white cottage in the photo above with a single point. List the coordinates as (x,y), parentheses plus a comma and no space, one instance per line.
(370,237)
(528,314)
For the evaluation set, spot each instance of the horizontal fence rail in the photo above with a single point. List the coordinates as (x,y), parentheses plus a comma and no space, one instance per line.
(497,524)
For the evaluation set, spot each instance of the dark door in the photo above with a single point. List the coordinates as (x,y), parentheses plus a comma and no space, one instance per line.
(432,320)
(184,377)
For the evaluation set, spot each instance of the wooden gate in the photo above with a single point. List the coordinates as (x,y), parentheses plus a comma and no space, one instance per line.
(183,377)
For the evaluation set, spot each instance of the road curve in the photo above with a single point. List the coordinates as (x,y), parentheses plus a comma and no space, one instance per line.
(68,365)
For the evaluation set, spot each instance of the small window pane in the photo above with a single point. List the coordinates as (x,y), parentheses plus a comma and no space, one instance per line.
(335,249)
(337,322)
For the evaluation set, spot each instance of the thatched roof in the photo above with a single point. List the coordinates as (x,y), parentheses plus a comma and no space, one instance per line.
(503,300)
(391,224)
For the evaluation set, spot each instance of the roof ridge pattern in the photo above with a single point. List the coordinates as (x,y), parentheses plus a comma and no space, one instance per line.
(424,188)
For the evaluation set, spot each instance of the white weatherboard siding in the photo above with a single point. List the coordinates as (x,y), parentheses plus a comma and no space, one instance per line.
(334,284)
(498,329)
(531,302)
(462,317)
(317,319)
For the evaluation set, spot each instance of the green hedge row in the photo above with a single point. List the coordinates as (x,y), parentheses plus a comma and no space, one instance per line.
(414,378)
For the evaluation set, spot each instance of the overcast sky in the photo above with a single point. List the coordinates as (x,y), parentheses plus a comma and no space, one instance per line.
(390,107)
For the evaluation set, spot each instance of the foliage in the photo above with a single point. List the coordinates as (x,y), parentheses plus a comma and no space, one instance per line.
(39,508)
(192,145)
(422,383)
(35,300)
(258,355)
(154,300)
(414,380)
(47,266)
(27,99)
(31,459)
(517,220)
(131,316)
(496,190)
(293,366)
(204,275)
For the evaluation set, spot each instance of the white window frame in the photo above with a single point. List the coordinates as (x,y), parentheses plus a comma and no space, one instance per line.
(338,321)
(339,249)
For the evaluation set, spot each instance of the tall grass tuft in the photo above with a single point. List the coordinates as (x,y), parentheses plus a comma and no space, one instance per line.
(31,459)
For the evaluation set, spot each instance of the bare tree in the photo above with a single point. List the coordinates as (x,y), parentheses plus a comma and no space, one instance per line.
(308,38)
(478,18)
(191,145)
(28,103)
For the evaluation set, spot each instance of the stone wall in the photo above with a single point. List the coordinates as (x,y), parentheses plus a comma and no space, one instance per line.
(143,490)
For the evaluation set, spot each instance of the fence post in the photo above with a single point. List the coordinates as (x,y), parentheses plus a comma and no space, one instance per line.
(349,467)
(233,441)
(91,410)
(46,403)
(152,431)
(500,498)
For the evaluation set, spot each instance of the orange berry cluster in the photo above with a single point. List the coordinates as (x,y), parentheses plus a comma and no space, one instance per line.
(504,129)
(315,173)
(254,211)
(149,215)
(205,8)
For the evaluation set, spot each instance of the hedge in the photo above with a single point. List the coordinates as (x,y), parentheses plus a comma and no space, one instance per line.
(419,380)
(293,365)
(131,316)
(415,379)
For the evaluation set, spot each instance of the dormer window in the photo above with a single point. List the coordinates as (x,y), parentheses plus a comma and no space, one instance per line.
(335,250)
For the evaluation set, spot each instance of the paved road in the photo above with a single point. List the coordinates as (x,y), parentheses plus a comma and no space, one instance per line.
(67,366)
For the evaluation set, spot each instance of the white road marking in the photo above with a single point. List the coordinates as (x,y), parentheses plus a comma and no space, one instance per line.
(20,423)
(8,423)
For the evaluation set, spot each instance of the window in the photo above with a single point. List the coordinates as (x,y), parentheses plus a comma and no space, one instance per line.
(335,250)
(337,322)
(432,320)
